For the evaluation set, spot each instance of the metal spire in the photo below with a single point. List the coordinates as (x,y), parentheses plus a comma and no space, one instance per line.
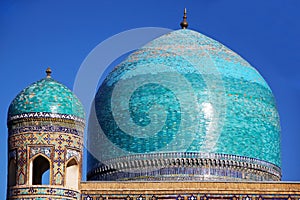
(184,23)
(48,72)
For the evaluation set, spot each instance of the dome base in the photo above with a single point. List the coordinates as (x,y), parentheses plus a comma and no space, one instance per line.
(185,166)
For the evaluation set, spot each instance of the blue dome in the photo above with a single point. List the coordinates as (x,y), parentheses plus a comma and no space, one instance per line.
(185,93)
(46,96)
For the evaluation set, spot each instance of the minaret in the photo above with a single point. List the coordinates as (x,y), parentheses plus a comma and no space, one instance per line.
(45,142)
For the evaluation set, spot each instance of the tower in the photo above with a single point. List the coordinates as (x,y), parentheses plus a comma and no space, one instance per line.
(45,142)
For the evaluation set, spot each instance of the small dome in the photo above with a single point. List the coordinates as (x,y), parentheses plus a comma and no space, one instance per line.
(186,95)
(48,96)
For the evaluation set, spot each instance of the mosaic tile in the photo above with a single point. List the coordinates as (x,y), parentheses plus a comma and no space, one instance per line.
(49,96)
(184,92)
(43,192)
(72,153)
(40,149)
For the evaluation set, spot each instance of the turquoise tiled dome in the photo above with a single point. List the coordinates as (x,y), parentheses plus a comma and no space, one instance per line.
(48,96)
(184,93)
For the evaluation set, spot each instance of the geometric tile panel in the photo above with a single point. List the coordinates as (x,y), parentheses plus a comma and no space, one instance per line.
(46,143)
(59,139)
(43,192)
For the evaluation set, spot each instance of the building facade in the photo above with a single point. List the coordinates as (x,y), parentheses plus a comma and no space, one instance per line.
(183,117)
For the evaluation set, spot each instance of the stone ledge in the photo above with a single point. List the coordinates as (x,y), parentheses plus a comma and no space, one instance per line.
(190,187)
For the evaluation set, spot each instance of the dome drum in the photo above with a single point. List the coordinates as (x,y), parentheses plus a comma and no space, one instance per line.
(45,116)
(185,166)
(45,122)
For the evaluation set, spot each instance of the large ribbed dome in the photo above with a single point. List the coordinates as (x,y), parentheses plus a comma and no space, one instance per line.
(46,96)
(184,106)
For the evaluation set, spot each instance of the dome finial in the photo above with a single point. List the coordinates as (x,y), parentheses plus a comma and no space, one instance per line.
(48,72)
(184,23)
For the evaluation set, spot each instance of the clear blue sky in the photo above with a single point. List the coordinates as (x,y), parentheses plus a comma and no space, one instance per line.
(60,34)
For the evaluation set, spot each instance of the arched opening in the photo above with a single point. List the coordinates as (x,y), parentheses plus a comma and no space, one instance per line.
(12,170)
(39,166)
(72,174)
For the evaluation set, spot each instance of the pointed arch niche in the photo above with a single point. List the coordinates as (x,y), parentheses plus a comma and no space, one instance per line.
(72,173)
(12,170)
(39,166)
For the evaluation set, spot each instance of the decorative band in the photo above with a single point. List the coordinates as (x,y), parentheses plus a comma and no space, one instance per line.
(45,128)
(185,173)
(45,115)
(162,161)
(40,191)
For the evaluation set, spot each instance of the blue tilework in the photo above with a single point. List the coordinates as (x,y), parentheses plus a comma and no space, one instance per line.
(222,94)
(42,192)
(46,95)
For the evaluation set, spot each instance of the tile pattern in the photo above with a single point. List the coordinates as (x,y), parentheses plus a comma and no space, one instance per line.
(194,94)
(47,128)
(60,142)
(43,192)
(46,95)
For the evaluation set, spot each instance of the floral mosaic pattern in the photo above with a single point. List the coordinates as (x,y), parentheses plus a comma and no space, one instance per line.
(40,149)
(72,153)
